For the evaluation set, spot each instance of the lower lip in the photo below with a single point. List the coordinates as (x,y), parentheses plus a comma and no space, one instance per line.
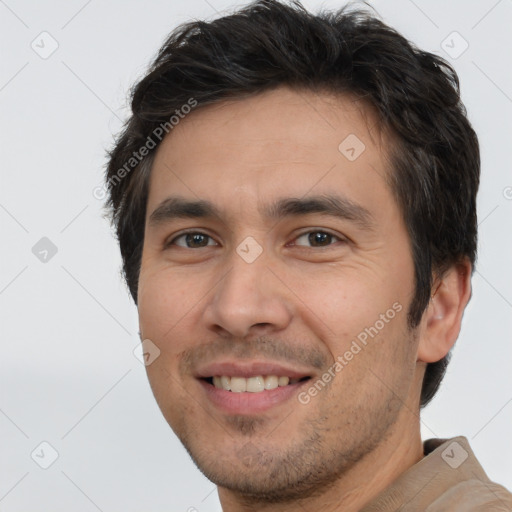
(250,403)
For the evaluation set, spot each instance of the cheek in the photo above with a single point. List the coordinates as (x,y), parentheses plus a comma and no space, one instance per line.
(165,306)
(360,318)
(170,395)
(341,304)
(162,308)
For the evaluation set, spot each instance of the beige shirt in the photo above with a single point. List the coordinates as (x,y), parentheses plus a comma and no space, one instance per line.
(448,479)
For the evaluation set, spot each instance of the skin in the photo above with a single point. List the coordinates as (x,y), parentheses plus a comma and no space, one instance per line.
(299,302)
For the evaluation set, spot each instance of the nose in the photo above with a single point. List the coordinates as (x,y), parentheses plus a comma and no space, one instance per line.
(248,300)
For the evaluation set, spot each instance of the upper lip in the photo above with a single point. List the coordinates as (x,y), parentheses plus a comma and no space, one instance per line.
(249,369)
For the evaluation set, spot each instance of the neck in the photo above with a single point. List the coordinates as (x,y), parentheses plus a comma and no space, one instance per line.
(400,450)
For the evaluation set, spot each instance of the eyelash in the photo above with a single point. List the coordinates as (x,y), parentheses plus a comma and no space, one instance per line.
(192,232)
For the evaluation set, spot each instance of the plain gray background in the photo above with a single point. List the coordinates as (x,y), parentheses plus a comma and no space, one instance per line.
(69,376)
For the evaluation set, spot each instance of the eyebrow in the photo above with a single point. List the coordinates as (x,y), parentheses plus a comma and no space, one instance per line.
(340,207)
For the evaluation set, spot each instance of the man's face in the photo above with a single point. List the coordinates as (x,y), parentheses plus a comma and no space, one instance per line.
(251,294)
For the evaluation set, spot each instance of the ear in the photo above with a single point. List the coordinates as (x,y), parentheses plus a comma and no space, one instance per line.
(442,320)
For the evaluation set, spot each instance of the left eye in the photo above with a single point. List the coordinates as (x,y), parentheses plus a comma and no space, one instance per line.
(193,240)
(317,239)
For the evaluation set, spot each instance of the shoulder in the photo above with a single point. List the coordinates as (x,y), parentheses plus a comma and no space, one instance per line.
(473,496)
(449,478)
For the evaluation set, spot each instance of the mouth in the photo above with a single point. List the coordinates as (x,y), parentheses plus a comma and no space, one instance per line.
(255,384)
(250,387)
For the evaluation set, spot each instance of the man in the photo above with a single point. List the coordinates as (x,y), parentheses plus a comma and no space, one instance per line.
(295,201)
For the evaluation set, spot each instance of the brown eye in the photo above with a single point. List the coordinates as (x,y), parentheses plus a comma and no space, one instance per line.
(192,240)
(317,239)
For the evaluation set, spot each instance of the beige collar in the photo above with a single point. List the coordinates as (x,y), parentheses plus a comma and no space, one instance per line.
(447,462)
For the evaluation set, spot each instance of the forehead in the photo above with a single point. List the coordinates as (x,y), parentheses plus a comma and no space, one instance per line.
(277,143)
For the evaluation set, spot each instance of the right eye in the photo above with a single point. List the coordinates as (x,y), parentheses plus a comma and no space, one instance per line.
(192,240)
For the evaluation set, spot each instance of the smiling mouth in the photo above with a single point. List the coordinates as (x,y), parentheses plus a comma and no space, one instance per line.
(256,384)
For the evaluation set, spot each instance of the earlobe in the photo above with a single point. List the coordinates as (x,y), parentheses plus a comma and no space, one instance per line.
(443,317)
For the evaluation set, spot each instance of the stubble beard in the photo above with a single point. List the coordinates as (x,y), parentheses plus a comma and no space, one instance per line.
(258,474)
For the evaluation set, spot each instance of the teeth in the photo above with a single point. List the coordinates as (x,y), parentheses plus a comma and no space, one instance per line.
(238,384)
(225,383)
(255,384)
(271,382)
(252,384)
(283,381)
